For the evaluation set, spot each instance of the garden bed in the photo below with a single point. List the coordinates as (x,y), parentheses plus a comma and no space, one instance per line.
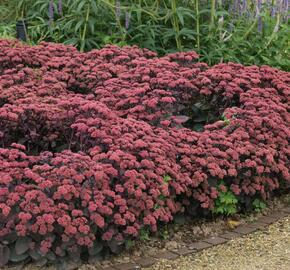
(103,147)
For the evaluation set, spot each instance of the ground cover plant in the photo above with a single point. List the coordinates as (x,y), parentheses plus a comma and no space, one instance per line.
(97,148)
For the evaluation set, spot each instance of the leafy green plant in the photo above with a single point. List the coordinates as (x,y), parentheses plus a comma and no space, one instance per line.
(226,120)
(167,179)
(217,31)
(129,244)
(259,205)
(164,233)
(144,234)
(161,197)
(226,203)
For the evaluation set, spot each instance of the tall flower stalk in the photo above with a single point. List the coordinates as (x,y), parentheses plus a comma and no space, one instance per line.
(59,6)
(259,10)
(118,10)
(50,12)
(244,7)
(127,20)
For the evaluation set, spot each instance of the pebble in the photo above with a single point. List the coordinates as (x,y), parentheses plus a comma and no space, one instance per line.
(171,245)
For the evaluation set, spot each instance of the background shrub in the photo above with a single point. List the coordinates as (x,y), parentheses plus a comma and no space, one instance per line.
(100,147)
(244,31)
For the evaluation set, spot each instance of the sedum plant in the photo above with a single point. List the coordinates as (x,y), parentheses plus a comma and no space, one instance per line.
(99,148)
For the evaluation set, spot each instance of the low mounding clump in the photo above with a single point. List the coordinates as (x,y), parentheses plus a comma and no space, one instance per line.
(97,146)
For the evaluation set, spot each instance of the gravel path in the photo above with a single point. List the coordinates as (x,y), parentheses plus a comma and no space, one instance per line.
(263,250)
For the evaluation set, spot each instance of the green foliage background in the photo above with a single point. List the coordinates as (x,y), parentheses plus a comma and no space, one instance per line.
(209,27)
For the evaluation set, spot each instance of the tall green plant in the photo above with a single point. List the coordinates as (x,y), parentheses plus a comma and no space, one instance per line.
(218,30)
(197,25)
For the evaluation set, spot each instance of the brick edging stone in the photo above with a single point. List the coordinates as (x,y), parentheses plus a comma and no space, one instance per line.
(194,247)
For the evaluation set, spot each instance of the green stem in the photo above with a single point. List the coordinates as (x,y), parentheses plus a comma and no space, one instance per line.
(250,29)
(25,31)
(140,16)
(176,25)
(20,9)
(85,28)
(197,25)
(273,3)
(212,14)
(157,5)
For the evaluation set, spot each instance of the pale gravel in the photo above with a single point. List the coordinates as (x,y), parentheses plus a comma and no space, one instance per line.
(263,250)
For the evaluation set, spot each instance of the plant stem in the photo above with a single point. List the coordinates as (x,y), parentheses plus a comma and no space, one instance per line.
(140,16)
(212,14)
(250,29)
(85,28)
(176,25)
(197,25)
(25,31)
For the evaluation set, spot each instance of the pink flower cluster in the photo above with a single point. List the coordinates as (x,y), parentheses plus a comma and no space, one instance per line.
(91,149)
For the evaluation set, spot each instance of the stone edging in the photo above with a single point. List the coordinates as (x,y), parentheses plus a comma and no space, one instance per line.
(242,230)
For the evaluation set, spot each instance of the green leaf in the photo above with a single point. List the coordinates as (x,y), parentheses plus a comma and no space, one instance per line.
(34,254)
(180,17)
(80,6)
(14,257)
(79,25)
(166,178)
(92,25)
(144,235)
(129,244)
(50,256)
(204,11)
(22,245)
(10,238)
(189,33)
(198,127)
(94,7)
(186,12)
